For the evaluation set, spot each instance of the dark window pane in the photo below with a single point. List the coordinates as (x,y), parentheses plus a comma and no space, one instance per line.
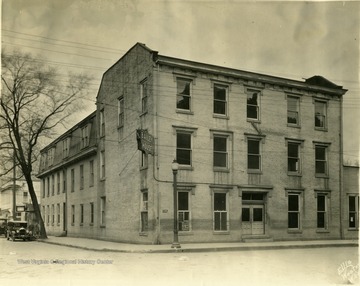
(352,205)
(293,150)
(292,117)
(253,162)
(258,214)
(320,153)
(321,220)
(252,105)
(183,201)
(144,221)
(352,219)
(320,167)
(293,202)
(219,202)
(219,144)
(245,214)
(217,221)
(220,160)
(253,146)
(183,140)
(183,87)
(219,93)
(293,221)
(183,157)
(292,165)
(321,203)
(220,107)
(182,102)
(224,221)
(252,111)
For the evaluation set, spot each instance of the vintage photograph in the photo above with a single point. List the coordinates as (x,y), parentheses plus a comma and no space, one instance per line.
(179,142)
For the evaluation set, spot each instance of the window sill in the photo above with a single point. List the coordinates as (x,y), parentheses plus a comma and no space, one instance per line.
(321,176)
(184,111)
(294,231)
(291,174)
(221,232)
(221,170)
(254,172)
(120,127)
(102,136)
(322,231)
(81,224)
(353,229)
(143,113)
(321,129)
(143,233)
(144,168)
(91,224)
(102,179)
(254,120)
(186,168)
(102,226)
(293,126)
(221,116)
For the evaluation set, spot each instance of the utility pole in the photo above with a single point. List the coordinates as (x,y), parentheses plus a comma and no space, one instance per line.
(14,187)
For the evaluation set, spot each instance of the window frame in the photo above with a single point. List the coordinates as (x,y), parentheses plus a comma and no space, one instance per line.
(72,178)
(102,165)
(58,214)
(102,123)
(300,144)
(325,107)
(144,95)
(58,181)
(66,147)
(144,211)
(183,213)
(189,149)
(353,213)
(324,212)
(64,180)
(225,101)
(91,173)
(250,92)
(325,146)
(92,212)
(297,212)
(81,214)
(81,176)
(72,215)
(260,140)
(189,96)
(85,133)
(221,212)
(102,211)
(297,111)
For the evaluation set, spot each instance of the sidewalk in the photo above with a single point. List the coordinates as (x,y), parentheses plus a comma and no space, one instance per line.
(100,245)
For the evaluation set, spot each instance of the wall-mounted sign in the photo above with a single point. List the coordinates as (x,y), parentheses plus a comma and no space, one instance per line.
(145,141)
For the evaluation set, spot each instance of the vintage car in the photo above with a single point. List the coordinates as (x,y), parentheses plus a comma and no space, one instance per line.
(18,230)
(3,226)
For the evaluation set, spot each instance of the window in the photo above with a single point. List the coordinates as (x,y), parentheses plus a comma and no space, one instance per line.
(102,123)
(184,212)
(81,177)
(144,96)
(64,180)
(102,164)
(85,136)
(50,156)
(48,186)
(293,211)
(102,210)
(321,211)
(320,114)
(293,157)
(183,148)
(220,212)
(48,214)
(81,214)
(252,107)
(92,175)
(321,160)
(144,160)
(72,214)
(121,108)
(52,185)
(58,213)
(144,211)
(220,151)
(254,156)
(353,211)
(66,147)
(220,99)
(52,215)
(293,107)
(58,180)
(72,180)
(183,94)
(91,213)
(43,188)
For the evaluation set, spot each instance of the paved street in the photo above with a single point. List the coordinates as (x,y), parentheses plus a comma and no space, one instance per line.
(37,263)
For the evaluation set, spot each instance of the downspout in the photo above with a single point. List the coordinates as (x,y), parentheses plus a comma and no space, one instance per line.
(341,187)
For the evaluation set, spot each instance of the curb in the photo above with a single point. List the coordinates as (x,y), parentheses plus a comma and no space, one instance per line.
(209,249)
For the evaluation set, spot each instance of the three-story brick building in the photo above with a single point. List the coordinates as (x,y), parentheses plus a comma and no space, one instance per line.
(259,156)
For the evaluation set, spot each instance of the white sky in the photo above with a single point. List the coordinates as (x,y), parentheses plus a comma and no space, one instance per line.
(289,39)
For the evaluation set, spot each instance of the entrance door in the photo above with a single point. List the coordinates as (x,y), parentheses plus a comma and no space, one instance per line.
(252,219)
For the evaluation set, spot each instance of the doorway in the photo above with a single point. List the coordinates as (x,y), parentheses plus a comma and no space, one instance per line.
(252,219)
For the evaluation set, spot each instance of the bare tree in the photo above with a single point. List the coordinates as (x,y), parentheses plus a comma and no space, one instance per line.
(34,100)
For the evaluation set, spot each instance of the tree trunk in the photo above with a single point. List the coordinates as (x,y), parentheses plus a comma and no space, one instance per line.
(35,205)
